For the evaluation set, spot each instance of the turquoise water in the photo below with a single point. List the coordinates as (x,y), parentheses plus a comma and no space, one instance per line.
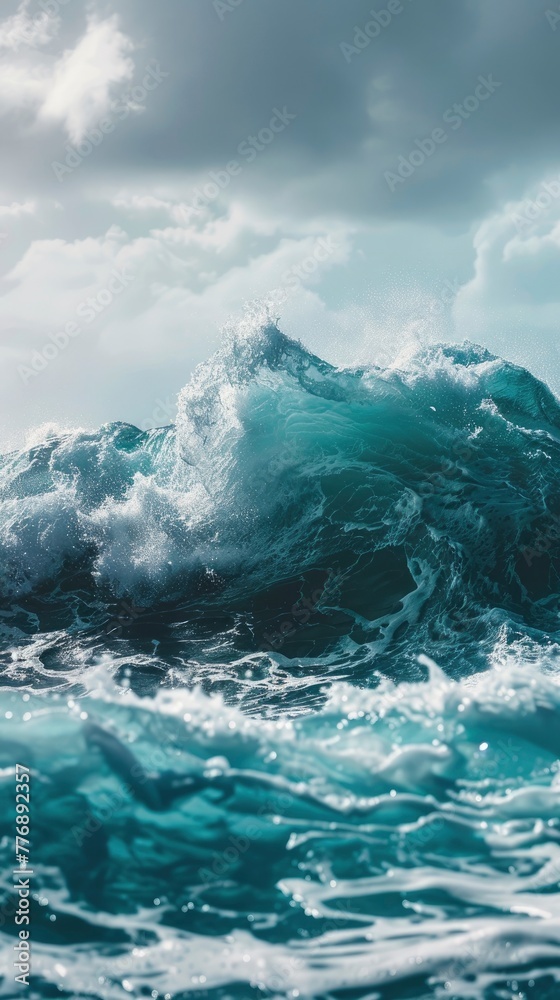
(286,678)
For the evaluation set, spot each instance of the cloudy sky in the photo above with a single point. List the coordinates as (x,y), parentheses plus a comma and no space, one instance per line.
(377,175)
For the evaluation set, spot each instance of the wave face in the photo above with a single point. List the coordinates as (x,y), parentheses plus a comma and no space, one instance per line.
(286,677)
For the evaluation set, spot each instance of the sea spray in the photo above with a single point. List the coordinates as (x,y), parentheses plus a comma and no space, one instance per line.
(313,627)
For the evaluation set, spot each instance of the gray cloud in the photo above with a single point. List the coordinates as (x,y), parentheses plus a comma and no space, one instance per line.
(369,91)
(354,119)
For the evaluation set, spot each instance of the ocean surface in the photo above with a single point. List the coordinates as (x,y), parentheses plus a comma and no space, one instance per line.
(285,677)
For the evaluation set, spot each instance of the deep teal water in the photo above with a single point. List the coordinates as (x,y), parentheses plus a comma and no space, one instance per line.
(286,678)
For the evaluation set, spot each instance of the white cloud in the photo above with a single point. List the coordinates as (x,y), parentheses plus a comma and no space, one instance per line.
(191,279)
(23,28)
(17,208)
(77,90)
(42,291)
(83,79)
(133,203)
(166,321)
(512,302)
(22,85)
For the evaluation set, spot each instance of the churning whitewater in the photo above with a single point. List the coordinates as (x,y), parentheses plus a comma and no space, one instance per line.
(286,677)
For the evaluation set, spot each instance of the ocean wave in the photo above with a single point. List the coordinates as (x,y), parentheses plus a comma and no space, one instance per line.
(402,840)
(286,679)
(331,514)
